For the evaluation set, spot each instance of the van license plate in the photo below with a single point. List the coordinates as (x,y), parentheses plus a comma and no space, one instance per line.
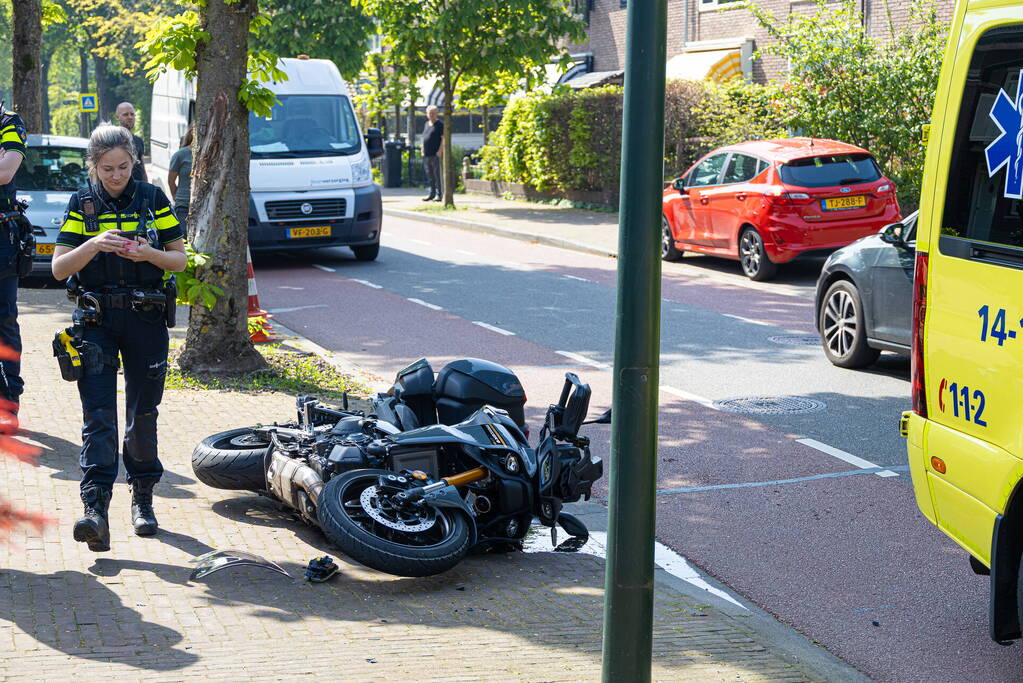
(318,231)
(44,250)
(839,203)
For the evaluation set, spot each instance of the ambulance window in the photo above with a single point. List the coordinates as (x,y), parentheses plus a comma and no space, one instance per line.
(985,183)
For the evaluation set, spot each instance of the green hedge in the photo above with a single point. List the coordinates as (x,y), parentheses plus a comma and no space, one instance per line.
(571,140)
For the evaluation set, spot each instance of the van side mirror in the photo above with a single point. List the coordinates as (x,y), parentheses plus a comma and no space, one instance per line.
(892,234)
(374,143)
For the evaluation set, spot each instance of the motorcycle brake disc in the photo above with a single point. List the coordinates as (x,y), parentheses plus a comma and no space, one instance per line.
(368,502)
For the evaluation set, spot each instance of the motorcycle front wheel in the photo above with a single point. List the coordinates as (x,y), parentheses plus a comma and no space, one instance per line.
(361,519)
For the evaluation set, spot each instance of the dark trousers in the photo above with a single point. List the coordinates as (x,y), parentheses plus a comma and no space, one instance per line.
(141,339)
(432,166)
(11,384)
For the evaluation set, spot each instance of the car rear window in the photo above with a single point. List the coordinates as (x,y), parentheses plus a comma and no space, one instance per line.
(52,168)
(835,169)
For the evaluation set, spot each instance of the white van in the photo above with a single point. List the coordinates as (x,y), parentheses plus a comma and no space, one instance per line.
(310,178)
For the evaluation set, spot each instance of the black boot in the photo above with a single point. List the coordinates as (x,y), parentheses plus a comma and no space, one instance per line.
(142,515)
(93,528)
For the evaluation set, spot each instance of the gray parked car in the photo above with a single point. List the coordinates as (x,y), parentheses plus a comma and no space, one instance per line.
(864,300)
(54,167)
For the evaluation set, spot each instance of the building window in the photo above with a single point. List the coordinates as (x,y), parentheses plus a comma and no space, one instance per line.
(581,9)
(623,3)
(715,4)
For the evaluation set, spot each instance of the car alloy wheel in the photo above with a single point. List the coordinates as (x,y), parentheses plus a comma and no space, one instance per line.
(669,252)
(753,258)
(839,322)
(842,328)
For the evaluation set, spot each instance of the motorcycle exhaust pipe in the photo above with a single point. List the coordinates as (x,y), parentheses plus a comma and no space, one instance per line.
(295,484)
(482,505)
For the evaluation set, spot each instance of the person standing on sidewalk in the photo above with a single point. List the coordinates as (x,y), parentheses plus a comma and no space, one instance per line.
(179,180)
(12,153)
(119,288)
(433,133)
(125,115)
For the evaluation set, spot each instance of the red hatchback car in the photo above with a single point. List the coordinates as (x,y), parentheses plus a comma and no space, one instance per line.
(768,201)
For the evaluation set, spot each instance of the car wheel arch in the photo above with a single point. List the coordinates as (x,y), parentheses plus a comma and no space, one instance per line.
(823,287)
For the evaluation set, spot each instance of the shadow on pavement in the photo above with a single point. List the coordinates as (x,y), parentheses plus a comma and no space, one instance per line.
(79,614)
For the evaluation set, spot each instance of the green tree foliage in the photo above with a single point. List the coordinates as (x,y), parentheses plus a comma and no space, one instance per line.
(323,29)
(846,85)
(462,43)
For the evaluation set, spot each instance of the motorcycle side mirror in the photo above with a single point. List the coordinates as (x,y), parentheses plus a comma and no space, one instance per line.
(602,419)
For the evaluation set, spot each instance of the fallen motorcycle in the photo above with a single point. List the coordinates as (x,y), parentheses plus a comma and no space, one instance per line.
(439,467)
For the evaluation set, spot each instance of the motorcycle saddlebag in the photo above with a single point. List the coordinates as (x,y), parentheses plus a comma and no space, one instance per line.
(463,386)
(414,387)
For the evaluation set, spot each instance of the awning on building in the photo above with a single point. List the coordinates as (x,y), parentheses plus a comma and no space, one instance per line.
(715,65)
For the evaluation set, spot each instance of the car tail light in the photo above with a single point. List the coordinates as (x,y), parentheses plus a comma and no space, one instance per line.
(919,316)
(793,198)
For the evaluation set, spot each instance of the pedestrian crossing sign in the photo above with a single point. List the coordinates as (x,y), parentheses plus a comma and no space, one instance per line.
(88,102)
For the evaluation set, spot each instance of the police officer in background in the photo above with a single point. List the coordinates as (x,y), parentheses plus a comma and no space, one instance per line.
(12,152)
(120,282)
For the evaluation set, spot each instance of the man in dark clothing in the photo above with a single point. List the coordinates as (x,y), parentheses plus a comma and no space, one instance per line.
(125,115)
(433,133)
(12,153)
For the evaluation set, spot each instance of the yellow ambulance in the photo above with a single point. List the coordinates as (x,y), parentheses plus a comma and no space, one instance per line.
(965,432)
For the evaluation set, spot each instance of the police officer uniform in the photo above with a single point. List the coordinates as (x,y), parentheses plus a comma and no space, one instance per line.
(12,141)
(120,311)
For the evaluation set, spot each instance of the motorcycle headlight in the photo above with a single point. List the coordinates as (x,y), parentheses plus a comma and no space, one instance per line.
(361,172)
(512,464)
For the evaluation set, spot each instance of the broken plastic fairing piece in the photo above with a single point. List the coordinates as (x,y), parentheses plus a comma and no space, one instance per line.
(221,559)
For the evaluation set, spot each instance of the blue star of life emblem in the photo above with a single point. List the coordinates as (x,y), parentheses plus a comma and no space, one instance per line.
(1007,149)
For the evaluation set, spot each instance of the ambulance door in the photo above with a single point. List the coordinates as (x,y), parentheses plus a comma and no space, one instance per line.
(973,343)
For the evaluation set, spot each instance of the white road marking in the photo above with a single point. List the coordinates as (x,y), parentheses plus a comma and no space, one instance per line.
(584,360)
(685,395)
(324,268)
(846,457)
(492,328)
(573,277)
(434,307)
(368,283)
(668,560)
(415,241)
(296,308)
(751,321)
(464,252)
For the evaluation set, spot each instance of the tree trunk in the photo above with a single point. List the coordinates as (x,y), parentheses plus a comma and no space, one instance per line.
(45,84)
(27,46)
(218,338)
(103,93)
(445,161)
(486,124)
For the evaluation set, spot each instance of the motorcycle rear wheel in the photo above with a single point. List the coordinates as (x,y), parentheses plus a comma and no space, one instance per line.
(346,522)
(232,460)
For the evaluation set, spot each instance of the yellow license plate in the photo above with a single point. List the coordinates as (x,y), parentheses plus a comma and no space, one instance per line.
(836,203)
(318,231)
(44,250)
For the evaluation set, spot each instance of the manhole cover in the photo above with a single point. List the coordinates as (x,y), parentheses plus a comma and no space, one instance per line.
(770,405)
(796,340)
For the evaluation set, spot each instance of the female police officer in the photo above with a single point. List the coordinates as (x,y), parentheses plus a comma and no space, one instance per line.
(119,295)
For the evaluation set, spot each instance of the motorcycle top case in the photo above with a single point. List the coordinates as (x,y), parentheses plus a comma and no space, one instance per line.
(463,386)
(414,387)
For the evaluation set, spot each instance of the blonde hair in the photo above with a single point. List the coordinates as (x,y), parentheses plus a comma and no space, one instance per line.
(107,137)
(186,139)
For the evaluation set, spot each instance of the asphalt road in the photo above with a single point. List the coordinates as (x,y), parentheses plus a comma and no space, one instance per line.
(809,515)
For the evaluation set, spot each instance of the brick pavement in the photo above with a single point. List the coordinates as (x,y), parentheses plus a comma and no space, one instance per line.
(132,613)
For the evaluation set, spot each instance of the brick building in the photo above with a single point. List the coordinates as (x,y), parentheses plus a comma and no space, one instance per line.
(716,37)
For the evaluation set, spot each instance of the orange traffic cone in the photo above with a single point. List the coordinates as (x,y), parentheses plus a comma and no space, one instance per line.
(265,332)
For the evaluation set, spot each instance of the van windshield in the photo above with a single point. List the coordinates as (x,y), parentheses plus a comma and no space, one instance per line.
(305,126)
(826,171)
